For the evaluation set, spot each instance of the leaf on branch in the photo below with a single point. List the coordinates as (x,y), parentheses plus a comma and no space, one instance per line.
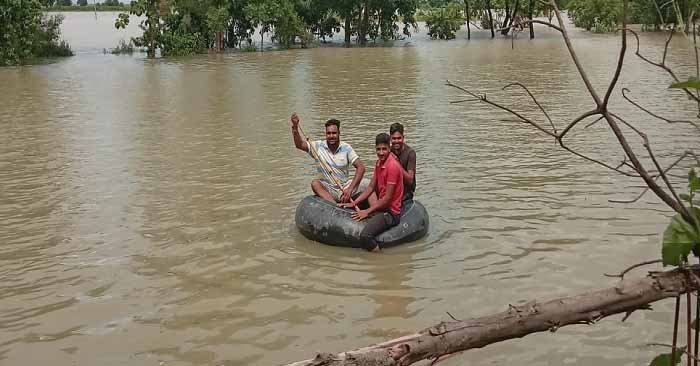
(684,197)
(691,83)
(664,359)
(693,180)
(679,239)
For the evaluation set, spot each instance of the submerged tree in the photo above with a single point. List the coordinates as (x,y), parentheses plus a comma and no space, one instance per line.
(27,33)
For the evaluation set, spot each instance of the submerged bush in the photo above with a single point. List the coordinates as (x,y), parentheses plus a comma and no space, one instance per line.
(443,23)
(123,48)
(181,44)
(26,33)
(599,16)
(47,42)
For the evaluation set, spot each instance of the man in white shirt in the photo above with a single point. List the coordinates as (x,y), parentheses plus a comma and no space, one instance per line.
(336,157)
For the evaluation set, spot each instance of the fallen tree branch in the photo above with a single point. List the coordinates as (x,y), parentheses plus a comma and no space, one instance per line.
(449,338)
(623,273)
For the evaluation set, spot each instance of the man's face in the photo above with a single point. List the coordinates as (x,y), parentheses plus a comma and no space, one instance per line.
(396,141)
(382,151)
(332,135)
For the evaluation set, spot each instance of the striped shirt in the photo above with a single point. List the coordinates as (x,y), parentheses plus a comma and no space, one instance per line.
(338,163)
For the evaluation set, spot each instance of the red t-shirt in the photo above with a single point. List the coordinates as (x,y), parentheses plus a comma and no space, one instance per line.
(390,173)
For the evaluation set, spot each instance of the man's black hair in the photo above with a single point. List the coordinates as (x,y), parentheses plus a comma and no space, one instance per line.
(382,138)
(396,127)
(333,122)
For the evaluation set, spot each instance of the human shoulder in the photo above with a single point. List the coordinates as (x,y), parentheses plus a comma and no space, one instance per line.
(394,163)
(344,146)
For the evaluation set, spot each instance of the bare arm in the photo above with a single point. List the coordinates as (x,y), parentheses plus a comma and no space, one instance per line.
(359,173)
(298,140)
(408,176)
(368,191)
(383,203)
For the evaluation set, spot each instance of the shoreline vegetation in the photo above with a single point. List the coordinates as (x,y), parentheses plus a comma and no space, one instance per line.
(173,28)
(86,8)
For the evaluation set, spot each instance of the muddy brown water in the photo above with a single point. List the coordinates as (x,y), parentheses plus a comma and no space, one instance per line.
(147,207)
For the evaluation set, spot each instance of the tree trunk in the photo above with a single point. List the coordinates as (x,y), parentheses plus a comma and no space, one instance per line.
(488,9)
(506,15)
(530,10)
(686,14)
(466,11)
(448,338)
(261,40)
(510,18)
(347,28)
(364,23)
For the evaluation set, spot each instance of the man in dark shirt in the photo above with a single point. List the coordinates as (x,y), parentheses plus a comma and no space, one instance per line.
(407,158)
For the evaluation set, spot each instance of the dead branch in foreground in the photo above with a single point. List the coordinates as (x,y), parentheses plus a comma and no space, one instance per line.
(452,337)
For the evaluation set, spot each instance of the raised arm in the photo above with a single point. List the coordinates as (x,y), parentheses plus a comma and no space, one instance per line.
(298,140)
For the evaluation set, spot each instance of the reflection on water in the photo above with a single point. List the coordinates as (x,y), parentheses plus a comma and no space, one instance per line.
(147,206)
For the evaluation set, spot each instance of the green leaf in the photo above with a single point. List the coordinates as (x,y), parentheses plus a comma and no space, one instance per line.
(679,239)
(693,180)
(684,197)
(664,359)
(690,84)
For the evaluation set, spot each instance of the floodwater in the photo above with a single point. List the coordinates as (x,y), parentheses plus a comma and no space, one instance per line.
(147,206)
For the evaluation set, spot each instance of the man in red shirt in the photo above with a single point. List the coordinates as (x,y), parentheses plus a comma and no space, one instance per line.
(387,182)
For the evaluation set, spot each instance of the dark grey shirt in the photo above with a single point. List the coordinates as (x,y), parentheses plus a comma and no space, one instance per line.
(407,158)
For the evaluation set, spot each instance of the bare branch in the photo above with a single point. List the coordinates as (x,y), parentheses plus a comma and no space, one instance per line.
(624,95)
(673,165)
(622,274)
(525,23)
(621,59)
(662,65)
(572,52)
(522,118)
(517,321)
(592,160)
(576,121)
(536,102)
(594,122)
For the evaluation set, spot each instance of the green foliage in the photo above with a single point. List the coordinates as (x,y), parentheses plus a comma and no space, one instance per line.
(443,23)
(217,19)
(193,25)
(180,44)
(599,16)
(26,33)
(82,2)
(123,47)
(287,24)
(111,2)
(664,359)
(655,13)
(690,84)
(152,36)
(47,41)
(681,237)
